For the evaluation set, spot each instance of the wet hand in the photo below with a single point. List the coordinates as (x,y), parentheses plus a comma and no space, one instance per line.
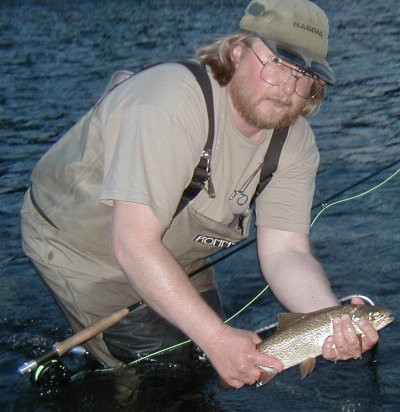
(345,342)
(234,356)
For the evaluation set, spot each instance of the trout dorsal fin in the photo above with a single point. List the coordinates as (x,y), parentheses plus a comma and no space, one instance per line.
(287,319)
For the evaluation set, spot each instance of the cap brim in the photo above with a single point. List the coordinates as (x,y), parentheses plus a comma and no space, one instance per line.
(302,58)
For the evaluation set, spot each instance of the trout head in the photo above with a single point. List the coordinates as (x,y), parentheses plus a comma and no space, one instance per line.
(378,317)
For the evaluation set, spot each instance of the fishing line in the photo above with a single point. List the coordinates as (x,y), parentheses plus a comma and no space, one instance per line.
(188,341)
(178,345)
(325,206)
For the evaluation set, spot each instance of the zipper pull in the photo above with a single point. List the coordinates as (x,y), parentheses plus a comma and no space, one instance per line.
(210,190)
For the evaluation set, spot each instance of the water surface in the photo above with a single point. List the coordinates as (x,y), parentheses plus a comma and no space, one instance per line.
(56,59)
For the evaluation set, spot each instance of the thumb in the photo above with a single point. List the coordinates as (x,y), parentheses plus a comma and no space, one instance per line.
(357,301)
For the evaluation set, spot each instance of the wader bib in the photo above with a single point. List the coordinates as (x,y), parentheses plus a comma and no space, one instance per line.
(71,275)
(192,238)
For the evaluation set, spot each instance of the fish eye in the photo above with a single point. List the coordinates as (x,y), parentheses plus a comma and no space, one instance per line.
(375,316)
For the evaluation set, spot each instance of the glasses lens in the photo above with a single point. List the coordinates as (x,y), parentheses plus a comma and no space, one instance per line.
(278,74)
(275,73)
(303,87)
(314,89)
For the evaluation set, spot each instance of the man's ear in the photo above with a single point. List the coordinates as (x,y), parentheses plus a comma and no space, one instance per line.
(237,52)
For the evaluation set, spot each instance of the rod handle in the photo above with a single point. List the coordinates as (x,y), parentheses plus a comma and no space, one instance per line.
(91,331)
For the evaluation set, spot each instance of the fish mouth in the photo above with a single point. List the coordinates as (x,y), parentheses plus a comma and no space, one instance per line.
(388,319)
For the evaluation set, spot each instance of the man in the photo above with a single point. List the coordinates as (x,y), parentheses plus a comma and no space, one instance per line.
(100,222)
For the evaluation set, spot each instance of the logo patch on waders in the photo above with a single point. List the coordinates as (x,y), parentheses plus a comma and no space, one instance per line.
(214,241)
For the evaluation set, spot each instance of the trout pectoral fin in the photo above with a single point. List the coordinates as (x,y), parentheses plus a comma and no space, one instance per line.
(306,367)
(266,377)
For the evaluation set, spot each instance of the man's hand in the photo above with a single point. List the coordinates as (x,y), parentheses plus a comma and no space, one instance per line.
(234,356)
(345,344)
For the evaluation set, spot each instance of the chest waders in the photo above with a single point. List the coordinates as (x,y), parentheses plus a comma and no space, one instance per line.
(191,237)
(143,331)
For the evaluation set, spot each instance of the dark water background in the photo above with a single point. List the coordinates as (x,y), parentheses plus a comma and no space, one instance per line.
(56,58)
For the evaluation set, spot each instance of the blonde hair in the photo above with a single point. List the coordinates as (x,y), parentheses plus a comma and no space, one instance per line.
(218,57)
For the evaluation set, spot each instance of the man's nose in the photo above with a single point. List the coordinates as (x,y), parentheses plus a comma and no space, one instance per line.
(290,86)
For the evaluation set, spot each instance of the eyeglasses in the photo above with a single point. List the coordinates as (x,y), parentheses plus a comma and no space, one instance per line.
(277,73)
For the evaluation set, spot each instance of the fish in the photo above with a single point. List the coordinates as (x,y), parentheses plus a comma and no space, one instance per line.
(299,337)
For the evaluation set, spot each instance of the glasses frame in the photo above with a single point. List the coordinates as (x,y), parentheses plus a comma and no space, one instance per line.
(299,74)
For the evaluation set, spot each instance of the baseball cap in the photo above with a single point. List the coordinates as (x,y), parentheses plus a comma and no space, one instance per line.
(294,30)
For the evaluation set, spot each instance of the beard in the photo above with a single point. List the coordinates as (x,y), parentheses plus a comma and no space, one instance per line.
(248,107)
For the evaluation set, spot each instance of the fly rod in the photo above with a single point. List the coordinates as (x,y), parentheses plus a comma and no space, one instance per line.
(60,348)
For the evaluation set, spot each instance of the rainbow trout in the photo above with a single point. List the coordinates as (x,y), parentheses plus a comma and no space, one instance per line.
(299,337)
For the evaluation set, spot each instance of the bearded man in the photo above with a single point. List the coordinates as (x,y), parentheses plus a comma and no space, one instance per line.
(104,222)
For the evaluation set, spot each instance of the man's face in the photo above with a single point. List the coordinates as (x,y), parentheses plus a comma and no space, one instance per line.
(258,103)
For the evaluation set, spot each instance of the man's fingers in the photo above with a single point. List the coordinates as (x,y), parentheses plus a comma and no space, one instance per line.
(357,301)
(329,350)
(371,335)
(345,342)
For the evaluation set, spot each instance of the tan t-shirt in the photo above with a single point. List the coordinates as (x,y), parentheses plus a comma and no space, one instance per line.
(141,144)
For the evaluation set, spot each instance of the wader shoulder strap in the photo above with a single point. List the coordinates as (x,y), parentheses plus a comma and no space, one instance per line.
(202,172)
(271,160)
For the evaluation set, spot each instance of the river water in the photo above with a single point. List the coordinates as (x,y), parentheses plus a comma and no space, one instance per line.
(56,58)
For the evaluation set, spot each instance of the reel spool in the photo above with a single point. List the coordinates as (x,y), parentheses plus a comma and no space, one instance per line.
(51,374)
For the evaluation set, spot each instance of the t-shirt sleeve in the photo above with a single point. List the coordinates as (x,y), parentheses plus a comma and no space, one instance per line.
(286,202)
(153,145)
